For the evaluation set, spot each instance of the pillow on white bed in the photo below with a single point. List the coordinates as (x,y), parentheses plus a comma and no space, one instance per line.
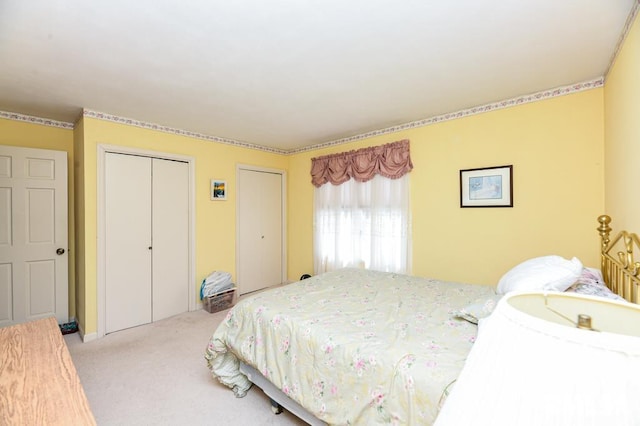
(479,309)
(592,283)
(551,273)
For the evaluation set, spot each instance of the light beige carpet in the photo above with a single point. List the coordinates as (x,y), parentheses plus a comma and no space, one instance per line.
(156,374)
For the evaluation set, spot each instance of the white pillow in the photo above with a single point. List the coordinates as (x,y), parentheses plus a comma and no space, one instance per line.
(553,273)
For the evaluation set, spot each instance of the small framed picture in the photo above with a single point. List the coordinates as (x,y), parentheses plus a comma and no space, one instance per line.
(487,187)
(218,189)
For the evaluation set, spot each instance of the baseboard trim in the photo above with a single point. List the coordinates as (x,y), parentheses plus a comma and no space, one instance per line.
(90,337)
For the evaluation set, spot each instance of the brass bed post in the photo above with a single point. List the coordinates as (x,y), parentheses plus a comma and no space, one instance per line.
(604,229)
(630,267)
(620,271)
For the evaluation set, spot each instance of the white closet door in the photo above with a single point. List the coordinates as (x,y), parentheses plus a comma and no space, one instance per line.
(259,230)
(170,225)
(127,241)
(33,235)
(271,219)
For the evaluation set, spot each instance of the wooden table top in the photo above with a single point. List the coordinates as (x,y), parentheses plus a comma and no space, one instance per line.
(39,384)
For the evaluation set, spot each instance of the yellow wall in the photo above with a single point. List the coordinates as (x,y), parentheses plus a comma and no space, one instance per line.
(215,220)
(30,135)
(622,134)
(556,148)
(81,296)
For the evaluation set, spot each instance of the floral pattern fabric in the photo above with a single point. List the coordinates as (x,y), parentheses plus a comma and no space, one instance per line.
(352,346)
(592,283)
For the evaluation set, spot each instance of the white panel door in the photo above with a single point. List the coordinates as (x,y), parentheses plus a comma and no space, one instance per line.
(259,230)
(127,241)
(170,225)
(33,235)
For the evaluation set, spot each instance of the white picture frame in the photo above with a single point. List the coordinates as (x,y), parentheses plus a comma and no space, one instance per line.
(218,190)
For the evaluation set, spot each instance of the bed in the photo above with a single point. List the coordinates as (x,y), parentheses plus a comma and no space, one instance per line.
(620,270)
(355,346)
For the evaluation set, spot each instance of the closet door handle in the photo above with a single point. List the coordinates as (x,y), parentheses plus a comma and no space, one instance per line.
(60,251)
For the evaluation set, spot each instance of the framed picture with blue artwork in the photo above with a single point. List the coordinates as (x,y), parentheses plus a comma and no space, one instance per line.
(487,187)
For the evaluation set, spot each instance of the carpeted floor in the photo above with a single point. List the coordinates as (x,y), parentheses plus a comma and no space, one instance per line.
(156,375)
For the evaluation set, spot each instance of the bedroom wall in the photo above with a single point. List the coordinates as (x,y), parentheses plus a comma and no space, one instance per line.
(622,134)
(215,220)
(81,297)
(31,135)
(556,148)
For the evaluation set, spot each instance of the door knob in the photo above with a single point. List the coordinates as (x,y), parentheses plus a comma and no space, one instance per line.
(60,251)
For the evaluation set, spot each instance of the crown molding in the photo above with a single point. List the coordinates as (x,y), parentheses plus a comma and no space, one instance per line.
(35,120)
(623,36)
(166,129)
(539,96)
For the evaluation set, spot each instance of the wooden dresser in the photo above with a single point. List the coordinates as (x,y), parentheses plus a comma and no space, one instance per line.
(39,384)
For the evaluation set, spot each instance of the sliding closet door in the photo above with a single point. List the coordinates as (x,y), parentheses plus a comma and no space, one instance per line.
(128,241)
(170,224)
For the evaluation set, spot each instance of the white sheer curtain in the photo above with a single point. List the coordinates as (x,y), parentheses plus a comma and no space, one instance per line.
(363,224)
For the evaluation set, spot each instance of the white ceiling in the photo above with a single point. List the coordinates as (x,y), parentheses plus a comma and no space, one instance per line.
(293,73)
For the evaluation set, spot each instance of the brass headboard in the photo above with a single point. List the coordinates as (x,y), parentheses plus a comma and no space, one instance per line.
(619,269)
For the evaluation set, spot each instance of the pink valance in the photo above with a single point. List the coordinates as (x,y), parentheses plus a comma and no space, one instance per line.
(391,160)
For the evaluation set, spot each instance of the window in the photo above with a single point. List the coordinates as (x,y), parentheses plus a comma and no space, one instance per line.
(363,224)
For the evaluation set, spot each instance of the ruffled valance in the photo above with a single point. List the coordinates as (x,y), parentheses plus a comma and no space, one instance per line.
(391,160)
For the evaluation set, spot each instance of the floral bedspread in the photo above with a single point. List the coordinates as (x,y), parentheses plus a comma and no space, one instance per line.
(352,346)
